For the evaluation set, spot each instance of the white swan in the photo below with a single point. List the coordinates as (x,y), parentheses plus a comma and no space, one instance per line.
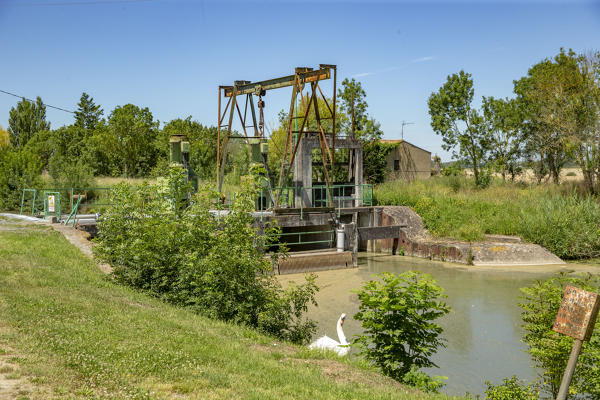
(325,342)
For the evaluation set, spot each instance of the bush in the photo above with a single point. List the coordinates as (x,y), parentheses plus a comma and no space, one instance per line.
(71,174)
(400,335)
(511,389)
(187,256)
(550,350)
(18,170)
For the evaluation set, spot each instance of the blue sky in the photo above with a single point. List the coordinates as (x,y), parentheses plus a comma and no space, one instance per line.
(170,56)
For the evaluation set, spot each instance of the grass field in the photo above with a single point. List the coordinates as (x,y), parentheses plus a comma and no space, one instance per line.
(555,217)
(67,331)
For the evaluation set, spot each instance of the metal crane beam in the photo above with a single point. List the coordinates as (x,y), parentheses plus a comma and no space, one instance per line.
(303,77)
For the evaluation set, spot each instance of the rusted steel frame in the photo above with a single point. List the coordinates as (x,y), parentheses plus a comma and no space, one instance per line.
(221,171)
(219,134)
(245,110)
(253,114)
(333,132)
(320,126)
(324,99)
(288,140)
(306,112)
(243,124)
(221,118)
(323,145)
(305,77)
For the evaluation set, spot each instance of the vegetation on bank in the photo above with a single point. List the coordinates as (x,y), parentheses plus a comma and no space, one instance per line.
(171,246)
(74,334)
(555,217)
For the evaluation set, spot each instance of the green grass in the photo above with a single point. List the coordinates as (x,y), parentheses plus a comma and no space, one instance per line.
(74,334)
(552,216)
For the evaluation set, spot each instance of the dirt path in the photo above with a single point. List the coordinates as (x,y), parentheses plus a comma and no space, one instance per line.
(12,384)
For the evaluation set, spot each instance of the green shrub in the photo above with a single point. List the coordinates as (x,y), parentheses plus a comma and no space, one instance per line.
(19,169)
(400,335)
(566,225)
(511,389)
(214,265)
(550,350)
(71,174)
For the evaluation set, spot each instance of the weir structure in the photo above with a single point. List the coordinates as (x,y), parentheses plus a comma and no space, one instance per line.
(320,220)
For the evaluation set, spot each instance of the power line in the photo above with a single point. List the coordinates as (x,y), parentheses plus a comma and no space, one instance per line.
(33,101)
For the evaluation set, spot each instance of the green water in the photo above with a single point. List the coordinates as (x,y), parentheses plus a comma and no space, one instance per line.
(483,330)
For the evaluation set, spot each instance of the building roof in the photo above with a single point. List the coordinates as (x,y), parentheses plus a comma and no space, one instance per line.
(398,141)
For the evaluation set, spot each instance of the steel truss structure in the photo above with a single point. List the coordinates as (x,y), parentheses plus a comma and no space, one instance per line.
(303,78)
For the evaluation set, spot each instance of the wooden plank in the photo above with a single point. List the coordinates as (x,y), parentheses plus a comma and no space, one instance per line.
(380,232)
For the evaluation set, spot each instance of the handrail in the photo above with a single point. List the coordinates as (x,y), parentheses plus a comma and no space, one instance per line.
(74,211)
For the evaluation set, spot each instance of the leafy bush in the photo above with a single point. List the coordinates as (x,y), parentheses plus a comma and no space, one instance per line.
(511,389)
(71,174)
(400,335)
(214,265)
(550,350)
(19,169)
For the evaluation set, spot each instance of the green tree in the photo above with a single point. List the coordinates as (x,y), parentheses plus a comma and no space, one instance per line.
(88,113)
(353,103)
(375,160)
(19,169)
(130,137)
(4,138)
(203,142)
(550,350)
(398,314)
(503,122)
(25,120)
(585,140)
(459,124)
(548,96)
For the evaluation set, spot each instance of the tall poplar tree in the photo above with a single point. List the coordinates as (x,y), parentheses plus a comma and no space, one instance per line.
(25,120)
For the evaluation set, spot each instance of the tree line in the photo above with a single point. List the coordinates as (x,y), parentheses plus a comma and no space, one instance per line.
(128,142)
(553,119)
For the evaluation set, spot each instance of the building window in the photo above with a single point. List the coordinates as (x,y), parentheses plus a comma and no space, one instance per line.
(396,165)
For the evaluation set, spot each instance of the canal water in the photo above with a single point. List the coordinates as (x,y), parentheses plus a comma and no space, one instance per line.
(483,329)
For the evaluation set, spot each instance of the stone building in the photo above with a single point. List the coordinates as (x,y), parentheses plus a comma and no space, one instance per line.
(407,161)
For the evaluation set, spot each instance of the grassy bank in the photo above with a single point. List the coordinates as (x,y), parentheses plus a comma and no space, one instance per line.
(552,216)
(68,332)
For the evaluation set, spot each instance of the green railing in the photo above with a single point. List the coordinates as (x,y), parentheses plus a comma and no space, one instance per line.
(302,242)
(89,199)
(319,196)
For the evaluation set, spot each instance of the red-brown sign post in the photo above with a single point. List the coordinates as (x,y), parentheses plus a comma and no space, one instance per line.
(576,318)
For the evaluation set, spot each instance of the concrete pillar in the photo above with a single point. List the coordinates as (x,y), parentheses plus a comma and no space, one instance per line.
(378,222)
(355,239)
(358,175)
(372,224)
(303,175)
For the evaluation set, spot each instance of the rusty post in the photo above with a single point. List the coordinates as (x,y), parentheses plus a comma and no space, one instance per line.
(219,138)
(568,376)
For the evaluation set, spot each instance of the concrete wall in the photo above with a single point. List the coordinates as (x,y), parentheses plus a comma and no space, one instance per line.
(415,163)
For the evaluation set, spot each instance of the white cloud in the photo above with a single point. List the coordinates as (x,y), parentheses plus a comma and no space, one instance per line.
(423,59)
(362,74)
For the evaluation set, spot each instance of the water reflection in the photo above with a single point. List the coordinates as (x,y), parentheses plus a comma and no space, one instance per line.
(483,330)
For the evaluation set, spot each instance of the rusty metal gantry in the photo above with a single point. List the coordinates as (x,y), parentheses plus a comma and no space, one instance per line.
(302,77)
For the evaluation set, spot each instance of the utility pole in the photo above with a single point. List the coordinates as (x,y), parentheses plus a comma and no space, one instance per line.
(404,123)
